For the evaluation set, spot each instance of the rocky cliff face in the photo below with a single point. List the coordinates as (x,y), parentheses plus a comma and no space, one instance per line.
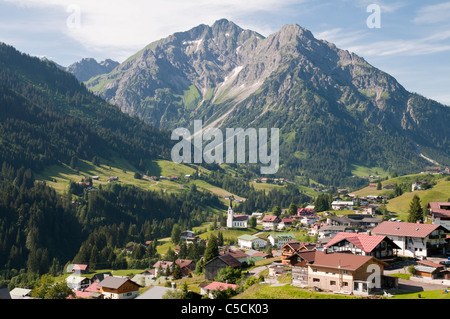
(88,68)
(329,104)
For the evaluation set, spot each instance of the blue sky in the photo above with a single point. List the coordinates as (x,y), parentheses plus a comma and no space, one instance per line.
(412,43)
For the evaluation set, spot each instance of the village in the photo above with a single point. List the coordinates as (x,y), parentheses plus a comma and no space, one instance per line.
(358,255)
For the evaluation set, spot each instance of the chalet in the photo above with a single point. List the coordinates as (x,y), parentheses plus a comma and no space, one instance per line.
(208,289)
(118,288)
(161,266)
(236,221)
(186,234)
(440,213)
(378,246)
(213,266)
(251,241)
(305,212)
(187,266)
(415,239)
(289,251)
(270,222)
(76,282)
(342,205)
(278,240)
(342,273)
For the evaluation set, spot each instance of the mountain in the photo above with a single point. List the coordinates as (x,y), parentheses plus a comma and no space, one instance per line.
(88,68)
(47,117)
(335,111)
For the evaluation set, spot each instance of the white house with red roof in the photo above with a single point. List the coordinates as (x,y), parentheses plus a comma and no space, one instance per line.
(440,213)
(415,239)
(270,222)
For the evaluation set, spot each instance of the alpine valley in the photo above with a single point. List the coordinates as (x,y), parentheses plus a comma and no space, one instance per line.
(86,175)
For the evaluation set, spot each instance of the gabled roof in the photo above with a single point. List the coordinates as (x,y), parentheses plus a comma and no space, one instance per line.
(79,267)
(341,261)
(270,218)
(365,242)
(163,264)
(430,264)
(307,255)
(440,209)
(114,282)
(229,260)
(405,229)
(183,262)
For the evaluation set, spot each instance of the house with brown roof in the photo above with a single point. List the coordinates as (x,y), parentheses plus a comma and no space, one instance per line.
(415,239)
(289,252)
(342,273)
(213,266)
(379,246)
(118,288)
(440,213)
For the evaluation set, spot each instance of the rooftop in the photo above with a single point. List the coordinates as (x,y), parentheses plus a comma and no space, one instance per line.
(405,229)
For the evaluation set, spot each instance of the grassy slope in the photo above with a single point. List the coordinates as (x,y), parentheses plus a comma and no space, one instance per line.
(439,193)
(400,205)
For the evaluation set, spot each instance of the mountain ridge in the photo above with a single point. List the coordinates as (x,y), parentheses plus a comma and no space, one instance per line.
(231,77)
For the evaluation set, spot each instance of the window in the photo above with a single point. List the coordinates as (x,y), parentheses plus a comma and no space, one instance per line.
(355,286)
(316,280)
(333,283)
(314,269)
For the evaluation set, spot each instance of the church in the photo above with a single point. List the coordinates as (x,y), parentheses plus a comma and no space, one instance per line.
(236,221)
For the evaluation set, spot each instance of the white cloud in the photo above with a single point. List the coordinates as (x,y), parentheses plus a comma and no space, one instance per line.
(433,14)
(106,25)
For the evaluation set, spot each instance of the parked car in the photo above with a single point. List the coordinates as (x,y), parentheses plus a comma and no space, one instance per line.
(445,262)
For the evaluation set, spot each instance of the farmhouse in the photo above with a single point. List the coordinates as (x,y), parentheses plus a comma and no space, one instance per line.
(415,239)
(342,205)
